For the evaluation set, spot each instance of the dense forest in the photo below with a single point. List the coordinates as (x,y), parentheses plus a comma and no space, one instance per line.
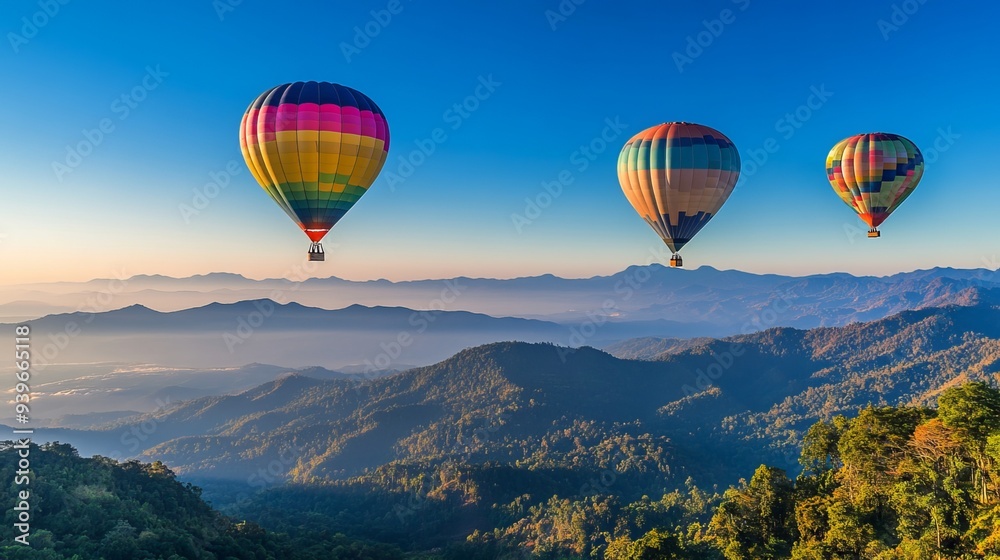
(905,482)
(98,508)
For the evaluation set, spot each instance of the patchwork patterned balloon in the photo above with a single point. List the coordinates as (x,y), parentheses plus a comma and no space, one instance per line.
(874,173)
(316,148)
(677,176)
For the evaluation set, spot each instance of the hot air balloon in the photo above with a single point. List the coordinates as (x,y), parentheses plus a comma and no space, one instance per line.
(677,175)
(874,173)
(315,147)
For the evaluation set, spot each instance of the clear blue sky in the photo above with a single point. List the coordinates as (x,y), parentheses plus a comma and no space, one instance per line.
(118,209)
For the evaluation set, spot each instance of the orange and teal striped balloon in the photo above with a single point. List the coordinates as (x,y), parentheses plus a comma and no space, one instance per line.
(316,148)
(874,173)
(677,176)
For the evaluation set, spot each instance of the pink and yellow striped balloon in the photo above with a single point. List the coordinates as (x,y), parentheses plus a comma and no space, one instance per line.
(316,148)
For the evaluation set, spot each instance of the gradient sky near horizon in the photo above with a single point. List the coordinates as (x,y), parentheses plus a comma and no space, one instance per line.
(925,70)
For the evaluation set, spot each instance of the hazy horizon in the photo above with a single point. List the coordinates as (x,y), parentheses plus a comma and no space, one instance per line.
(985,265)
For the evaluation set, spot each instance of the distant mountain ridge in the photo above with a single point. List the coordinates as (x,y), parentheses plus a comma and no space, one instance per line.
(980,274)
(721,301)
(273,315)
(370,339)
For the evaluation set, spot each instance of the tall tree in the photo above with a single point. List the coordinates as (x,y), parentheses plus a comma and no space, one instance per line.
(756,520)
(973,409)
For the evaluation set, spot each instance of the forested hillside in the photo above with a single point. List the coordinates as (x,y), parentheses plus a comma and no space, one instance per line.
(515,448)
(750,397)
(891,483)
(83,509)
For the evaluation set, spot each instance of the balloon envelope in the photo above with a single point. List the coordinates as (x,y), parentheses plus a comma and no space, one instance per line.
(315,147)
(874,173)
(677,176)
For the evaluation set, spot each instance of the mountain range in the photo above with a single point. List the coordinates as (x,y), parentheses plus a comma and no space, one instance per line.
(712,302)
(748,397)
(651,301)
(263,331)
